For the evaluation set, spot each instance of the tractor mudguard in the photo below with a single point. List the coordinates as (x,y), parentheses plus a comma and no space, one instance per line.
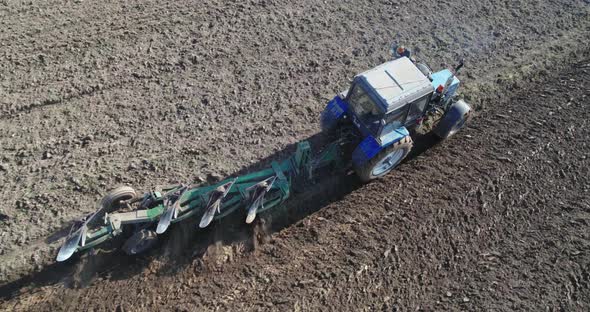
(440,78)
(369,147)
(334,111)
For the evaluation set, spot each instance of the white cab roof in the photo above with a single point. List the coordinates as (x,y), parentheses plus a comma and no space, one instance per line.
(397,83)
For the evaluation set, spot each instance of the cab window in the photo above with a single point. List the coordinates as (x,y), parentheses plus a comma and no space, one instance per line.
(417,108)
(395,119)
(364,108)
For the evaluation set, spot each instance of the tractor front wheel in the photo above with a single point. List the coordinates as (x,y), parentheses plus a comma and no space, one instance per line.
(385,160)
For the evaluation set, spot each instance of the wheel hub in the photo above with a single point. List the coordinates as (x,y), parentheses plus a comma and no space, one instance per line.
(388,162)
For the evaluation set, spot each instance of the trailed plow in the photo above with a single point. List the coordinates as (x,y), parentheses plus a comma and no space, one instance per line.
(153,213)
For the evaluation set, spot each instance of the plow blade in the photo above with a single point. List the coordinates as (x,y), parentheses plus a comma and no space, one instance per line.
(166,218)
(71,244)
(76,237)
(172,203)
(214,204)
(257,197)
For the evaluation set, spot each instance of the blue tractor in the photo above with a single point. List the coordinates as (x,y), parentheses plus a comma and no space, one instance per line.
(385,106)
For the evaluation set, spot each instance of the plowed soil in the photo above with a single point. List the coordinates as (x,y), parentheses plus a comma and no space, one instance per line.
(94,95)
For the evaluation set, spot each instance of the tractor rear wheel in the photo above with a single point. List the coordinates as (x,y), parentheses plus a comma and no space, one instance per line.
(453,120)
(111,201)
(385,160)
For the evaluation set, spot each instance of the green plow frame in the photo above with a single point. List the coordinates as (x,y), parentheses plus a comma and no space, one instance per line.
(193,201)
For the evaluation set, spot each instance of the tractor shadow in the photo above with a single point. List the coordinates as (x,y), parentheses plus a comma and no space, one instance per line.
(185,245)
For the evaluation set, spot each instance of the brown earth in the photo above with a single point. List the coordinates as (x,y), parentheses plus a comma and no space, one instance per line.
(495,218)
(94,95)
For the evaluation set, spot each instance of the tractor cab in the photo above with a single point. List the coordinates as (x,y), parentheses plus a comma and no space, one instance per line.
(387,97)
